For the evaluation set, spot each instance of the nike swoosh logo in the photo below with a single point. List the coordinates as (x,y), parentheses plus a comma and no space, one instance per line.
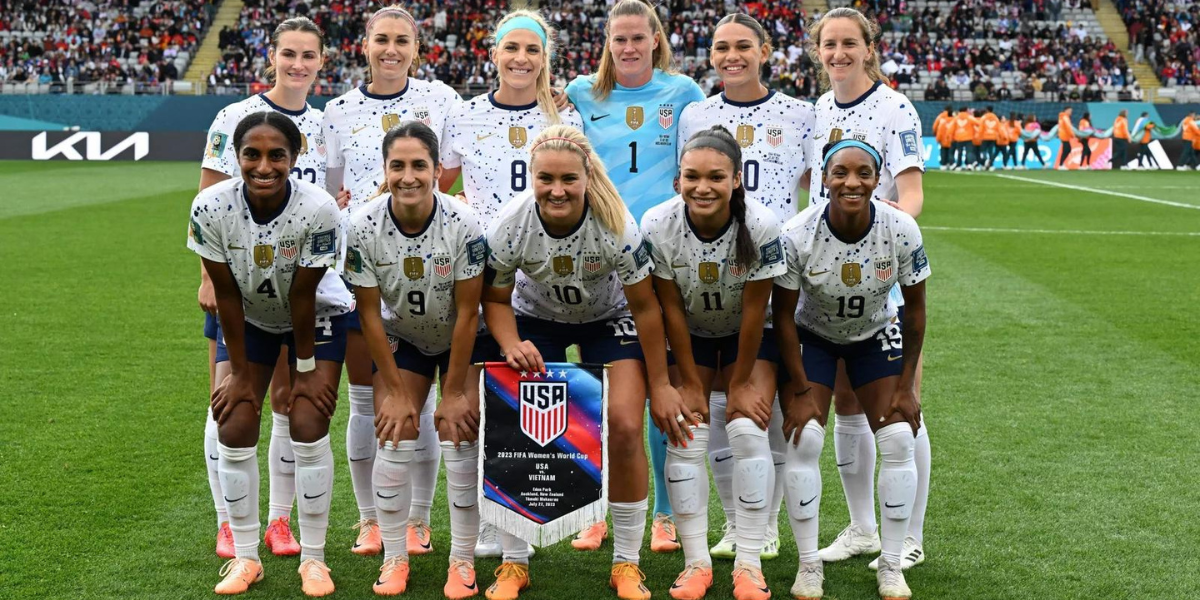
(839,464)
(363,458)
(820,137)
(284,460)
(480,138)
(470,587)
(427,545)
(628,342)
(745,501)
(765,590)
(893,505)
(384,264)
(723,459)
(535,262)
(895,358)
(679,266)
(307,497)
(355,130)
(213,457)
(812,273)
(810,501)
(238,500)
(377,581)
(232,247)
(669,480)
(462,507)
(324,342)
(595,118)
(386,497)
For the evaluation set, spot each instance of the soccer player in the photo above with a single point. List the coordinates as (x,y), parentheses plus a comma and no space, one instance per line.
(774,132)
(716,253)
(567,265)
(631,112)
(355,124)
(296,55)
(487,141)
(843,257)
(266,242)
(422,253)
(860,107)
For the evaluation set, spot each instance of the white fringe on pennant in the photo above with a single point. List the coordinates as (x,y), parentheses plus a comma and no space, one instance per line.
(559,529)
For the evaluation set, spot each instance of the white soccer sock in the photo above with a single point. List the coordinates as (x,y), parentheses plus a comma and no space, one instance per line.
(687,486)
(238,468)
(281,468)
(211,456)
(922,456)
(514,548)
(854,448)
(462,490)
(392,480)
(753,484)
(629,529)
(314,482)
(779,458)
(803,482)
(720,456)
(426,458)
(897,487)
(360,447)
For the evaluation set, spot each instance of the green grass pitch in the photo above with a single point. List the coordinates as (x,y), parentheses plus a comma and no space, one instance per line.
(1062,374)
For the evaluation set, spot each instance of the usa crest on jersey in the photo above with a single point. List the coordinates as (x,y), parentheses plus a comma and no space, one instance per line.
(543,410)
(666,115)
(288,249)
(442,266)
(883,268)
(774,136)
(592,263)
(421,113)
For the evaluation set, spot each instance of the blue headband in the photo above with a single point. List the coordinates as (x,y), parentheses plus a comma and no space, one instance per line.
(853,143)
(521,22)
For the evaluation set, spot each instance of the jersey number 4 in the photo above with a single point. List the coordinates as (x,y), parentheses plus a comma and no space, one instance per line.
(267,288)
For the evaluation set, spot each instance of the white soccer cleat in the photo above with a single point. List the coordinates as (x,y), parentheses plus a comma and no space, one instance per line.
(727,547)
(770,547)
(810,581)
(488,545)
(891,582)
(912,555)
(852,541)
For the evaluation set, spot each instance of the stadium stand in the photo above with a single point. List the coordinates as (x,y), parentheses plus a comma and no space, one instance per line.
(1166,35)
(56,46)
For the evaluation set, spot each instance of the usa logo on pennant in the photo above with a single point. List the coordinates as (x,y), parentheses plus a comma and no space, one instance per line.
(288,249)
(543,410)
(592,263)
(883,268)
(774,136)
(442,266)
(666,115)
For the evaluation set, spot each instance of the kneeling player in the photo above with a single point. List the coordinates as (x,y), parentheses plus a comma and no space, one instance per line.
(266,243)
(416,259)
(845,256)
(715,255)
(567,265)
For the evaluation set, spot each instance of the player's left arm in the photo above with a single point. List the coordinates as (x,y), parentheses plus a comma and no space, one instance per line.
(461,417)
(744,399)
(666,405)
(910,191)
(302,298)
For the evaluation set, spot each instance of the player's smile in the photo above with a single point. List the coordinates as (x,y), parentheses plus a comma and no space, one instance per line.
(842,48)
(298,58)
(265,161)
(519,57)
(411,175)
(706,184)
(736,53)
(391,48)
(851,177)
(632,43)
(559,185)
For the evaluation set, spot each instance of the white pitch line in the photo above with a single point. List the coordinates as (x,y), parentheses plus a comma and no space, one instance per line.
(1080,188)
(1058,231)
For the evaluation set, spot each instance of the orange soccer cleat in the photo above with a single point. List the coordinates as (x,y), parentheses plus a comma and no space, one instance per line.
(663,537)
(420,538)
(460,581)
(511,578)
(749,584)
(692,583)
(368,542)
(627,579)
(239,574)
(393,577)
(279,538)
(225,547)
(591,538)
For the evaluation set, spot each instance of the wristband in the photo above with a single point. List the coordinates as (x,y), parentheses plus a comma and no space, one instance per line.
(305,365)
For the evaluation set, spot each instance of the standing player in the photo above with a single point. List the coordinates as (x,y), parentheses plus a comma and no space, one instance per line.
(296,55)
(860,107)
(716,253)
(631,112)
(422,253)
(1065,134)
(964,132)
(773,132)
(266,242)
(1120,141)
(1085,138)
(567,265)
(1033,133)
(487,141)
(944,133)
(355,124)
(843,257)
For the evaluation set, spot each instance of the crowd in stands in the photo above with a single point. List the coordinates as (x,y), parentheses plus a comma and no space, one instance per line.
(111,42)
(1167,35)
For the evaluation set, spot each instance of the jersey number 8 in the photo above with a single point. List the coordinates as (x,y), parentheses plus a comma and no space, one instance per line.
(519,176)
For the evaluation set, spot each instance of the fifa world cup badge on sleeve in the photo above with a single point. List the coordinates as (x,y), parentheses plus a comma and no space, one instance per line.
(324,242)
(544,466)
(908,139)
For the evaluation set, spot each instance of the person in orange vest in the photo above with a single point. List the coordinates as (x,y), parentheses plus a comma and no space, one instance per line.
(1143,129)
(1014,135)
(989,133)
(1065,134)
(977,139)
(964,132)
(1002,143)
(1195,146)
(1035,129)
(946,116)
(1190,133)
(1120,141)
(1085,138)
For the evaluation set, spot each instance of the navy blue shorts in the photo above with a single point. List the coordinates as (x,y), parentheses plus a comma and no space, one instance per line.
(720,352)
(262,347)
(352,322)
(409,358)
(212,327)
(599,341)
(874,358)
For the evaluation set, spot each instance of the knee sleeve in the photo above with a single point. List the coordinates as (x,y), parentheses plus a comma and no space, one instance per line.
(687,479)
(391,475)
(753,472)
(462,467)
(898,473)
(804,473)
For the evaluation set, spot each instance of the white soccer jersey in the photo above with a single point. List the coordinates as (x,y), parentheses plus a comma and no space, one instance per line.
(845,283)
(775,134)
(883,118)
(263,256)
(416,273)
(356,122)
(219,154)
(706,271)
(491,142)
(577,278)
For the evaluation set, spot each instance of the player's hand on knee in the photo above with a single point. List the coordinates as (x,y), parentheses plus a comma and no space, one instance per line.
(396,419)
(207,298)
(748,402)
(232,391)
(696,401)
(311,386)
(799,407)
(671,415)
(905,403)
(524,356)
(457,419)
